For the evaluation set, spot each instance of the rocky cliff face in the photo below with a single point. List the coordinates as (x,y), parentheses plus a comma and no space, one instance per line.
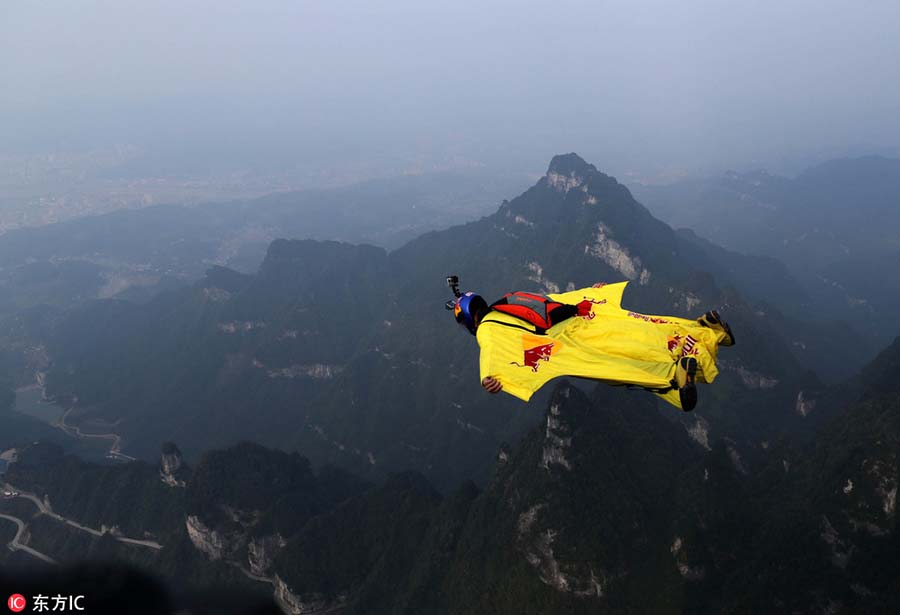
(851,482)
(214,544)
(611,506)
(261,553)
(312,604)
(170,466)
(586,469)
(243,504)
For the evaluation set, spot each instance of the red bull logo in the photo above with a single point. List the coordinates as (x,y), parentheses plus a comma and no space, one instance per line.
(533,356)
(585,308)
(690,346)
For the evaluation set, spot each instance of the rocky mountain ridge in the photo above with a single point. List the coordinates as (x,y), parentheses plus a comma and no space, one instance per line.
(608,504)
(345,352)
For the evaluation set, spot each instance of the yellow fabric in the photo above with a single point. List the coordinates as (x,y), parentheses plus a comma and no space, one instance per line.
(612,345)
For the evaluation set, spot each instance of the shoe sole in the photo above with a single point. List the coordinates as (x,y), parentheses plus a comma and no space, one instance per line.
(688,393)
(712,320)
(729,341)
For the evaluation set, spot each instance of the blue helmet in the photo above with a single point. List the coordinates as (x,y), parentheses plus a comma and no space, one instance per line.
(466,309)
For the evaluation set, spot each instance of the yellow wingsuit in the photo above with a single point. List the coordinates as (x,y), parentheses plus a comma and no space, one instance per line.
(610,344)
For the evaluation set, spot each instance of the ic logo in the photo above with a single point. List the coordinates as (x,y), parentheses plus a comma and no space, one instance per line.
(17,603)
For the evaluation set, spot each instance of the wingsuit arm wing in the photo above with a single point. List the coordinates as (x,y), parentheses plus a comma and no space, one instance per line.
(520,360)
(609,296)
(498,345)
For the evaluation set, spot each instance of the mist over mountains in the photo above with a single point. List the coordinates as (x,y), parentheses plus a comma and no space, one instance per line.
(383,479)
(315,350)
(834,226)
(133,254)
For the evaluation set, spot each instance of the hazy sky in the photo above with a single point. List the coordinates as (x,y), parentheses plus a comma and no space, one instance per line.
(633,86)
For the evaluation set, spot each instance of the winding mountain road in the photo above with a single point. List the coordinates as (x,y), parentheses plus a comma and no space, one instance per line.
(115,449)
(16,545)
(44,509)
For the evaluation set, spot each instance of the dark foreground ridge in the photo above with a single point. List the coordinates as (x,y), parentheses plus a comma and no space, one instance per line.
(609,505)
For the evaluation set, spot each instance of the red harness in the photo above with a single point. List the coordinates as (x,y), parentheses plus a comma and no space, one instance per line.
(535,309)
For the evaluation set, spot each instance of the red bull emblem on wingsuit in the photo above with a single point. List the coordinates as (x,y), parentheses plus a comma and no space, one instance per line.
(690,344)
(673,341)
(584,308)
(533,355)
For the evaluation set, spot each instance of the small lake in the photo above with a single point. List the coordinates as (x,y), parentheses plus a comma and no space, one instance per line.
(30,402)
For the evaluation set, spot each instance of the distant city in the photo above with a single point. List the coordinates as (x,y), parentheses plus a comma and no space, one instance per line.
(39,189)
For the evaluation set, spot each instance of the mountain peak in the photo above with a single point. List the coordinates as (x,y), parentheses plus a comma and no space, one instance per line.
(570,164)
(568,171)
